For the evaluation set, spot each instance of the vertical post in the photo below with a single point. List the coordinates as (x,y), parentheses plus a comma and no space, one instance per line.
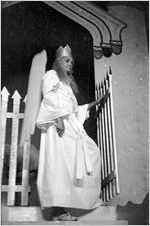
(102,146)
(99,136)
(25,170)
(14,143)
(107,139)
(104,142)
(5,96)
(25,174)
(108,136)
(98,129)
(113,132)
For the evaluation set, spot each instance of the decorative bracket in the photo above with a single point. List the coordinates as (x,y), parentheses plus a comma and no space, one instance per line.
(104,28)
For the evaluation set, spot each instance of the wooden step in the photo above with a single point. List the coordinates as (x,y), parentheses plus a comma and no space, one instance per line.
(87,223)
(102,214)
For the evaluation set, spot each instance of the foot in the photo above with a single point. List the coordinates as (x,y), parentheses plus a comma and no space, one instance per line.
(65,217)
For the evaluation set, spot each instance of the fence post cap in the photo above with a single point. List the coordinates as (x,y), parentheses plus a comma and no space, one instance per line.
(16,96)
(5,94)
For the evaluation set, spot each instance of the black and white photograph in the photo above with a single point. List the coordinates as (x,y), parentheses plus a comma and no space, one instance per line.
(74,112)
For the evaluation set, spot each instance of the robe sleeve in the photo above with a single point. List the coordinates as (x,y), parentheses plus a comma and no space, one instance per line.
(50,82)
(82,113)
(51,107)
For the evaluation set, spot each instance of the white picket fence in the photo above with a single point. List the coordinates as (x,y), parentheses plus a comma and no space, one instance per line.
(106,143)
(107,140)
(12,188)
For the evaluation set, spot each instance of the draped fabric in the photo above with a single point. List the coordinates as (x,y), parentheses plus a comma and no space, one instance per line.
(33,96)
(69,173)
(56,102)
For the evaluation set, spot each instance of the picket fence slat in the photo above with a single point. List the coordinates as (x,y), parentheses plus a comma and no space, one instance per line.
(15,115)
(13,153)
(5,95)
(25,173)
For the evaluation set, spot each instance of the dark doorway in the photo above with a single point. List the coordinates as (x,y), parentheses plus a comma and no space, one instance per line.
(29,27)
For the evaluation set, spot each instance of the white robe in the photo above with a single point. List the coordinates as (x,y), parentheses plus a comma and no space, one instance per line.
(69,173)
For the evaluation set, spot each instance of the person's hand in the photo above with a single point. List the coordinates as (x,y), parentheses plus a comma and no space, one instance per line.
(102,99)
(60,128)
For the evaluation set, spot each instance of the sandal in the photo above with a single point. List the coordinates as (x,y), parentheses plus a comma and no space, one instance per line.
(65,217)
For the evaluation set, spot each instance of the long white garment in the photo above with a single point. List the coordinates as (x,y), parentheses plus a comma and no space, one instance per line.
(69,173)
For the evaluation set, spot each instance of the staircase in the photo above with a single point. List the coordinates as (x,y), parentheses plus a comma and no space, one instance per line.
(103,215)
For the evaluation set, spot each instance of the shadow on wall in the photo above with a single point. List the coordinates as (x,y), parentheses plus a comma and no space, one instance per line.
(135,214)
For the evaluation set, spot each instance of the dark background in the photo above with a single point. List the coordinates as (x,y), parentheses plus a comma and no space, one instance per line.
(29,27)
